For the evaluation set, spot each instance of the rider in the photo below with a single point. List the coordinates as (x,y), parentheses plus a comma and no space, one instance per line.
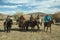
(47,19)
(8,23)
(38,22)
(31,18)
(22,18)
(37,17)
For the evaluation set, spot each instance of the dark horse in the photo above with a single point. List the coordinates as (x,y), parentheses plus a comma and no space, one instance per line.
(48,25)
(7,26)
(30,24)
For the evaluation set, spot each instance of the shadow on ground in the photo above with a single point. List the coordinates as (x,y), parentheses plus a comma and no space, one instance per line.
(29,30)
(1,30)
(57,24)
(21,30)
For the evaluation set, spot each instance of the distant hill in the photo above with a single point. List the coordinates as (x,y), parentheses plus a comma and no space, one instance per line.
(28,15)
(37,13)
(56,15)
(2,16)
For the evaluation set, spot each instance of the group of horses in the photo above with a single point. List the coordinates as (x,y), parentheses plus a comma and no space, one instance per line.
(26,24)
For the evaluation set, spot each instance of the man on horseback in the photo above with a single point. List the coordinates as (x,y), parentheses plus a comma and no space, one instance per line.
(8,24)
(39,19)
(38,22)
(21,21)
(31,23)
(22,18)
(31,19)
(47,22)
(47,19)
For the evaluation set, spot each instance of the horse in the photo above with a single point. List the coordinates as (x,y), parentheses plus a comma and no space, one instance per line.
(20,23)
(48,25)
(39,21)
(27,23)
(7,26)
(31,24)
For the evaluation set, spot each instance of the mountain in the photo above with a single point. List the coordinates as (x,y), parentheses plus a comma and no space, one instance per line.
(37,13)
(3,16)
(56,15)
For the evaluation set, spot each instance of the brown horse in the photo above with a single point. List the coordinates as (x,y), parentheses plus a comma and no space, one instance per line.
(30,24)
(48,25)
(27,23)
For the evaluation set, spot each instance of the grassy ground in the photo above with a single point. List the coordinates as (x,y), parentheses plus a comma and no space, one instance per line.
(37,35)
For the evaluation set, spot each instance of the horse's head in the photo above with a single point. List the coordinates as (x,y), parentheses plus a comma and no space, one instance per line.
(52,22)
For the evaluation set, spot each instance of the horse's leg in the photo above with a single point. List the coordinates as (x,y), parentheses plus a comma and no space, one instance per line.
(50,29)
(47,25)
(4,28)
(40,23)
(23,27)
(32,29)
(10,27)
(26,27)
(47,29)
(20,27)
(38,26)
(7,29)
(44,28)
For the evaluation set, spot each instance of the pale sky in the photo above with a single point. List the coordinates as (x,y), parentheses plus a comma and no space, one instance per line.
(28,6)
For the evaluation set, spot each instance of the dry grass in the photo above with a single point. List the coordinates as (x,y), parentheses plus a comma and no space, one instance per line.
(39,35)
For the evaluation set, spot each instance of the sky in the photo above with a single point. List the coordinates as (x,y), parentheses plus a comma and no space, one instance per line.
(27,6)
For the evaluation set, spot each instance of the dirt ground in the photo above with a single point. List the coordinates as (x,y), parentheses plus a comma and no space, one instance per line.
(28,35)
